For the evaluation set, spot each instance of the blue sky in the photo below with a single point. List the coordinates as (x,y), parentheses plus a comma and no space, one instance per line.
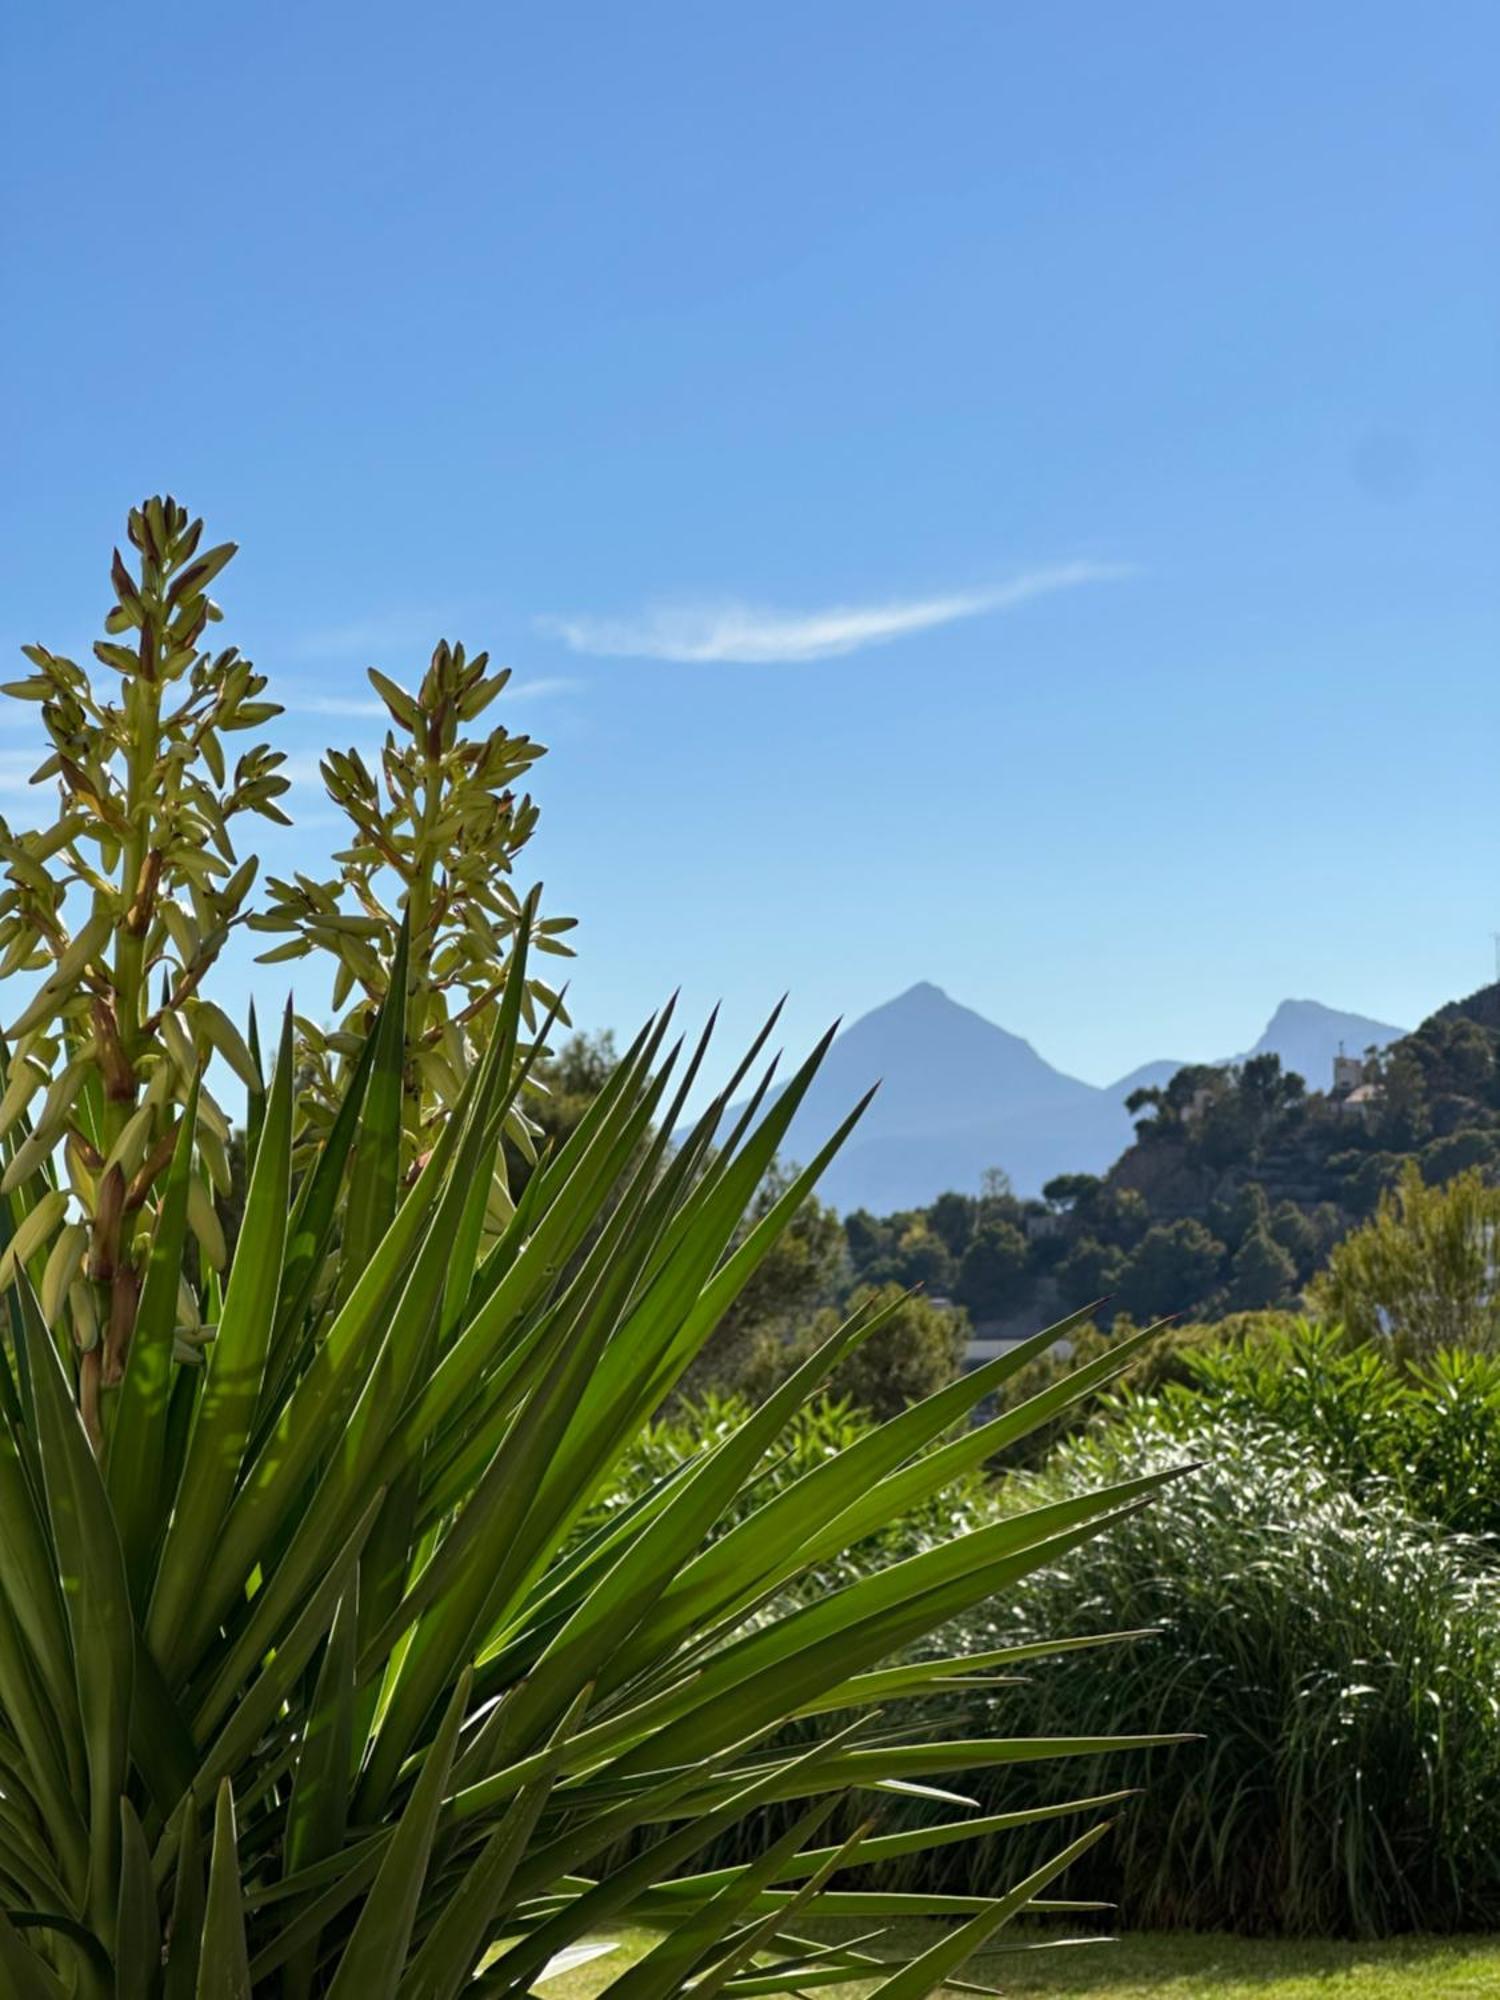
(999,494)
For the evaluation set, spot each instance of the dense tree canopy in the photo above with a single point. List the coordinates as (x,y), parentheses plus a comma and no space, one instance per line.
(917,1348)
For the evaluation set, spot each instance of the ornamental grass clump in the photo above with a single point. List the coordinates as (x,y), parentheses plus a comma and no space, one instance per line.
(322,1672)
(1338,1657)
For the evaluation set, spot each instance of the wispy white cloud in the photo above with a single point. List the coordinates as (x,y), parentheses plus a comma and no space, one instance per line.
(746,634)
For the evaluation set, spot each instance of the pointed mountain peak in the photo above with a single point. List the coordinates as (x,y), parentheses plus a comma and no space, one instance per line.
(1290,1011)
(1307,1035)
(923,994)
(926,1010)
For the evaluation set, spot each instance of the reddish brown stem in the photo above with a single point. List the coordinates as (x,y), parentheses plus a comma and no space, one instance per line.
(124,1298)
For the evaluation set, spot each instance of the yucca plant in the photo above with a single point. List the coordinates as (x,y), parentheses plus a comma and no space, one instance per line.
(315,1679)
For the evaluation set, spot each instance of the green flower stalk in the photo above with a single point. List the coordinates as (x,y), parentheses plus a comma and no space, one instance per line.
(122,905)
(434,840)
(124,902)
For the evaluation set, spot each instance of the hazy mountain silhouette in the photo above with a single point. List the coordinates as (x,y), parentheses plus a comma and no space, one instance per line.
(959,1094)
(1307,1036)
(1150,1076)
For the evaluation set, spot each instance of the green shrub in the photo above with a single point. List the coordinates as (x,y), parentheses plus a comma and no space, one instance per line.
(1165,1359)
(1422,1274)
(1339,1660)
(1427,1433)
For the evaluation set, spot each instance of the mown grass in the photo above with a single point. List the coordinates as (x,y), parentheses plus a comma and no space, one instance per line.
(1181,1965)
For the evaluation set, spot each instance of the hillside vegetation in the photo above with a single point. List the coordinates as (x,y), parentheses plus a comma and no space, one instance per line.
(1239,1182)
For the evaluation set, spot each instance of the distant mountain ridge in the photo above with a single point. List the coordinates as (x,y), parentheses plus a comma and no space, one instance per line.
(959,1094)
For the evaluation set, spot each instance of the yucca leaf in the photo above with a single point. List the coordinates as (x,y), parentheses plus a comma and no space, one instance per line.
(161,1744)
(449,1633)
(223,1965)
(17,1411)
(29,1581)
(29,1710)
(759,1937)
(666,1969)
(942,1676)
(322,1893)
(884,1767)
(371,1964)
(231,1389)
(310,1229)
(357,1465)
(604,1619)
(137,1923)
(596,1821)
(25,1857)
(97,1598)
(23,1972)
(312,1419)
(375,1174)
(573,1575)
(257,1708)
(317,1816)
(912,1484)
(455,1239)
(797,1526)
(570,1164)
(254,1080)
(682,1303)
(775,1670)
(559,1230)
(663,1331)
(926,1973)
(690,1889)
(452,1948)
(185,1930)
(602,1902)
(138,1436)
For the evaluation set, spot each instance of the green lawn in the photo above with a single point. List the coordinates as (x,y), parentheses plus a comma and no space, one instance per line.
(1185,1967)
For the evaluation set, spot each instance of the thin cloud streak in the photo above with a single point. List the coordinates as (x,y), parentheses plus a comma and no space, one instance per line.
(745,635)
